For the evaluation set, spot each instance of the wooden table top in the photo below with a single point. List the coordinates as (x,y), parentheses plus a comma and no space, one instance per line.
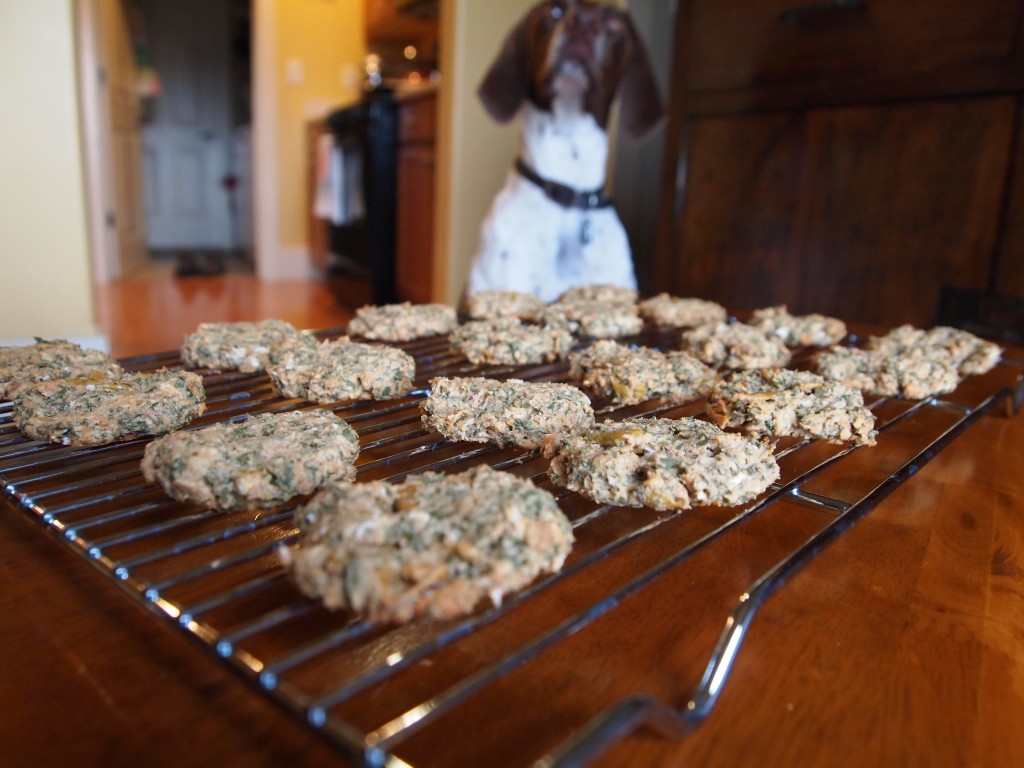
(902,643)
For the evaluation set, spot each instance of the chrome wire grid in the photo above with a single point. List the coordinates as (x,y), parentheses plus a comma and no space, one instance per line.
(381,693)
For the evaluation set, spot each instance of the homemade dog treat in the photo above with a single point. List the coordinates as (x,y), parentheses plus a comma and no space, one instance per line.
(48,360)
(491,305)
(778,401)
(343,370)
(243,346)
(434,545)
(673,312)
(512,412)
(96,410)
(736,346)
(630,375)
(402,322)
(509,342)
(260,462)
(616,294)
(970,354)
(592,317)
(812,330)
(915,373)
(661,463)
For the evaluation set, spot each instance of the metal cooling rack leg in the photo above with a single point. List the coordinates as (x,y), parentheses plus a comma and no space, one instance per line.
(635,712)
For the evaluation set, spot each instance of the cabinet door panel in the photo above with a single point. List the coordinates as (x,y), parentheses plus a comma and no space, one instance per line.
(1009,277)
(800,41)
(862,212)
(414,261)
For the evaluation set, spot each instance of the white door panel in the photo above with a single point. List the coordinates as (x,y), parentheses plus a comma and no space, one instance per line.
(187,140)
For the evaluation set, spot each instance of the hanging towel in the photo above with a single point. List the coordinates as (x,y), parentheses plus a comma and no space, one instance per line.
(323,199)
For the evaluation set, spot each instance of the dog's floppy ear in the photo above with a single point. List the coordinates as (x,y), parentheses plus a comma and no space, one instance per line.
(640,104)
(506,83)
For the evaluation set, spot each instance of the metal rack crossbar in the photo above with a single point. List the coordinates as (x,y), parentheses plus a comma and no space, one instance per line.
(217,577)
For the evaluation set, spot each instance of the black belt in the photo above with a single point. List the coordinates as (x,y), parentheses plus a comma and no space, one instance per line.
(565,196)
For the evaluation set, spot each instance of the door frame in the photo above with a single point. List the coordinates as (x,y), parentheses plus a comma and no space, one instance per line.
(98,144)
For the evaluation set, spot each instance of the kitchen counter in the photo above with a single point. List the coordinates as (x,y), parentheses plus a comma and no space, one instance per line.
(901,643)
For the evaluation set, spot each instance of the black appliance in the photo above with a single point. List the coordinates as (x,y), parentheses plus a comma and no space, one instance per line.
(362,249)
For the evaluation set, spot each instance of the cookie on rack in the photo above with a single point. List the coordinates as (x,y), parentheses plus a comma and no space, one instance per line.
(491,305)
(513,412)
(613,294)
(630,375)
(434,545)
(595,318)
(240,346)
(970,354)
(913,374)
(46,360)
(737,346)
(674,312)
(812,330)
(402,322)
(661,463)
(506,341)
(777,401)
(342,369)
(96,410)
(262,461)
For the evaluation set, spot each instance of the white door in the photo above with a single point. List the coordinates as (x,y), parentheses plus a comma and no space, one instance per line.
(187,135)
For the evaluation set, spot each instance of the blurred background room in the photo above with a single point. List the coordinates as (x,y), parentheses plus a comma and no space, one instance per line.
(167,162)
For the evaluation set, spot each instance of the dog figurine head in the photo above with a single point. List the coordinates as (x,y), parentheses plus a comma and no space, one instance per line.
(580,45)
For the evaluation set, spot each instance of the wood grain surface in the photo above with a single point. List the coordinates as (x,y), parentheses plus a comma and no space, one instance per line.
(900,644)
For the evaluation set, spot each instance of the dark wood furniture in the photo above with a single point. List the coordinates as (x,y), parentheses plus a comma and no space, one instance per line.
(316,228)
(853,157)
(414,257)
(397,23)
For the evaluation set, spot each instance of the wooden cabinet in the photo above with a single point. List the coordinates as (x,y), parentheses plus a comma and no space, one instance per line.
(414,261)
(854,158)
(387,23)
(316,228)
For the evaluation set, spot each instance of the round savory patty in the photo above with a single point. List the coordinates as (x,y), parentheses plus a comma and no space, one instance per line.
(490,305)
(662,464)
(343,370)
(264,460)
(630,375)
(507,341)
(813,330)
(779,401)
(512,412)
(615,294)
(914,373)
(433,545)
(402,322)
(243,346)
(735,346)
(104,409)
(970,354)
(673,312)
(48,360)
(597,318)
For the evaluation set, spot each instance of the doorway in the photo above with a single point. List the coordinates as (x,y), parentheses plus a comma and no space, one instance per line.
(196,126)
(167,113)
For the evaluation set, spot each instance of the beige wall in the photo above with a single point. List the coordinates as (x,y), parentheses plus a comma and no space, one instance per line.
(323,45)
(43,247)
(475,153)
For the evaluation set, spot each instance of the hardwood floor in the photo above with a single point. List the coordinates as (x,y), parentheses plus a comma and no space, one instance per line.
(154,311)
